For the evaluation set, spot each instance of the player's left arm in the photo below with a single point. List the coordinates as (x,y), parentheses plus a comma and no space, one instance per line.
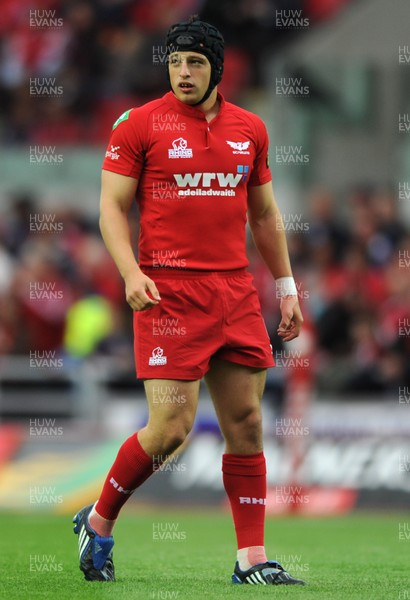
(268,233)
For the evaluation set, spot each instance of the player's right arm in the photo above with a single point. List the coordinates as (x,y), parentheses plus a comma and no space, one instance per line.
(117,195)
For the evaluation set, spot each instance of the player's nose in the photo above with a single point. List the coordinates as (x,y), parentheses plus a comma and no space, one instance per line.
(184,70)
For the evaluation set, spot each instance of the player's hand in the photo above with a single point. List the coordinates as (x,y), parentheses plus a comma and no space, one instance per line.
(292,320)
(141,292)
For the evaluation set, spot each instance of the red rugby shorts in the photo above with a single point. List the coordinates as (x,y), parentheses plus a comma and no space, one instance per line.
(200,315)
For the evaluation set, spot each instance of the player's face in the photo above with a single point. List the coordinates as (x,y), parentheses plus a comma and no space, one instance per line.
(190,73)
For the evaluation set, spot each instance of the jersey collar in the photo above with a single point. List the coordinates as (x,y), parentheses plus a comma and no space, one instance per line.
(190,111)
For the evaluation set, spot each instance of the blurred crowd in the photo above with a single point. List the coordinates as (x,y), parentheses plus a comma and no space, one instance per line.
(354,288)
(92,60)
(60,291)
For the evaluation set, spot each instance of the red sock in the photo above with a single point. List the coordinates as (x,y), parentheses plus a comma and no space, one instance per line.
(244,478)
(130,469)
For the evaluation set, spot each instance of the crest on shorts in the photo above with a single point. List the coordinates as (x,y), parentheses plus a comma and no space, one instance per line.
(157,357)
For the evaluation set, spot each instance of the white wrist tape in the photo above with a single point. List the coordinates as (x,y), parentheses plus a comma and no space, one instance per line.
(286,286)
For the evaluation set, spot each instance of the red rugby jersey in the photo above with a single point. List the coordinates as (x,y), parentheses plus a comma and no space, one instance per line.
(193,178)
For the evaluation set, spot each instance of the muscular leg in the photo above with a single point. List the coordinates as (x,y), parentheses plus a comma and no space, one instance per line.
(236,392)
(172,407)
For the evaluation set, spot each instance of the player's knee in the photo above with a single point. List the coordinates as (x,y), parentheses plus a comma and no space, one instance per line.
(176,433)
(250,425)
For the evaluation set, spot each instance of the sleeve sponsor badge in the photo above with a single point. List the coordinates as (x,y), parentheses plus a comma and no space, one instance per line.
(123,117)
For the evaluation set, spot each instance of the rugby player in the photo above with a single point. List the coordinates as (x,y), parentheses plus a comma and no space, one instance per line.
(197,183)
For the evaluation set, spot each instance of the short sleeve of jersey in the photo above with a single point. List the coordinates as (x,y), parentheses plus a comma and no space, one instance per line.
(261,172)
(125,151)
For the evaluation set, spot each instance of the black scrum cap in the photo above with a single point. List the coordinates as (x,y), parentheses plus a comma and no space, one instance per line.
(201,37)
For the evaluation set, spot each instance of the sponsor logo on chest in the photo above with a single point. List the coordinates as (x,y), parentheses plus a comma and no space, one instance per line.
(204,184)
(180,149)
(239,147)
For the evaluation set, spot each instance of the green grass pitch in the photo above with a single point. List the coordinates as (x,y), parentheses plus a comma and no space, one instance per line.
(189,555)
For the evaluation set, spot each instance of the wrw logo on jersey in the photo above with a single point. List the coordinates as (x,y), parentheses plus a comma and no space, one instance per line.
(203,184)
